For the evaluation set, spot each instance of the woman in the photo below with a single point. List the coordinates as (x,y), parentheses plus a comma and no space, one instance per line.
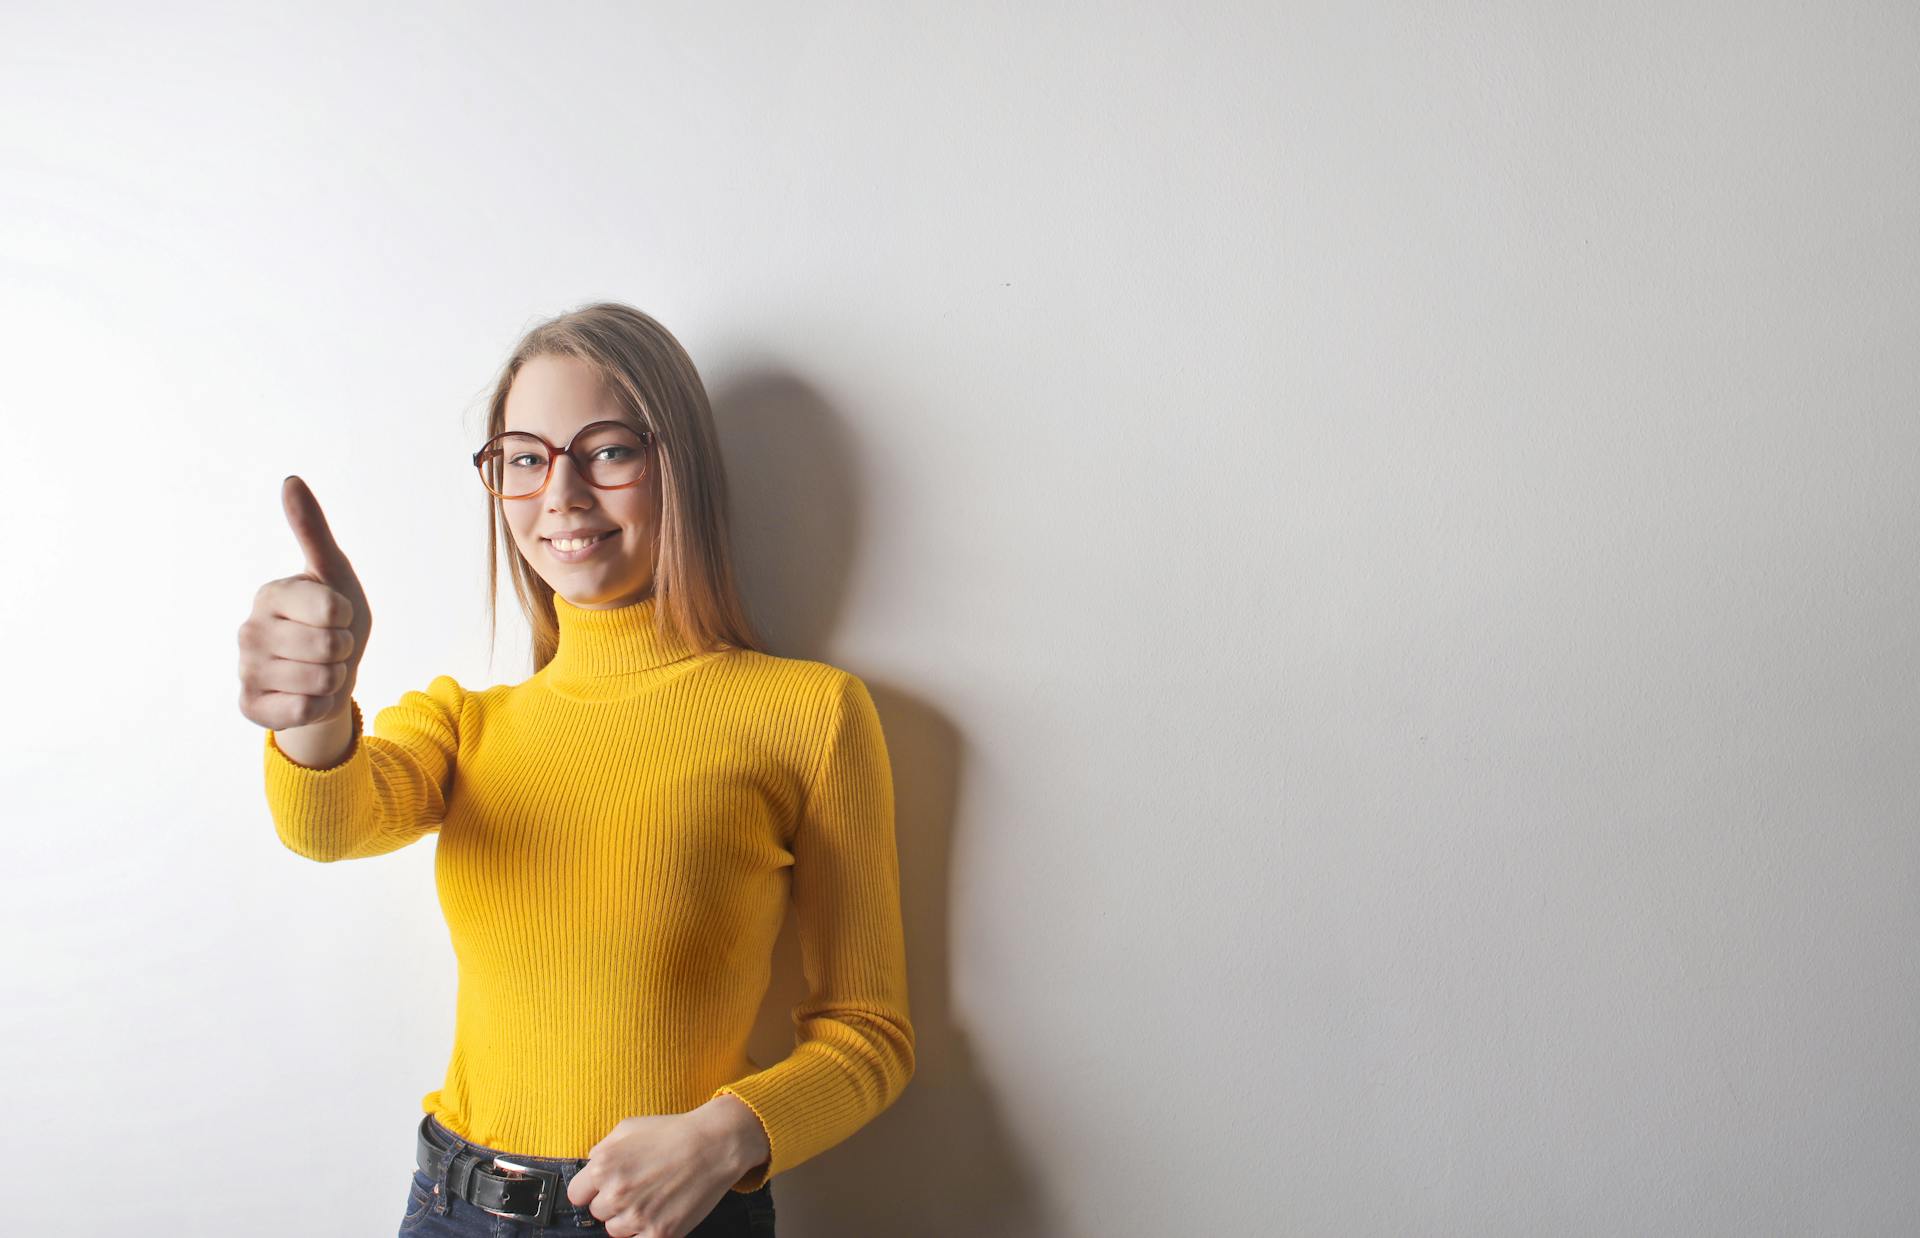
(619,833)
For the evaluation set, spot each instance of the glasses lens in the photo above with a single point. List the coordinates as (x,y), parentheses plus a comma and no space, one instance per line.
(515,465)
(615,455)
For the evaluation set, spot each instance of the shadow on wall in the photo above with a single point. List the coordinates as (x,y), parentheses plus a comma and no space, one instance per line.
(937,1161)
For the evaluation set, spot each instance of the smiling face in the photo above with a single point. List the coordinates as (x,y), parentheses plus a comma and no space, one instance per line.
(554,396)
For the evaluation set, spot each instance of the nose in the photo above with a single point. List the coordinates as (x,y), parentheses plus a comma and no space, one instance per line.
(565,481)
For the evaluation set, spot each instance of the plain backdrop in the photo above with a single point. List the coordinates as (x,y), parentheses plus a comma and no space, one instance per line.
(1384,538)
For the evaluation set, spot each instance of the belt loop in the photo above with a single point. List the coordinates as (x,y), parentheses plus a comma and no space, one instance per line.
(460,1164)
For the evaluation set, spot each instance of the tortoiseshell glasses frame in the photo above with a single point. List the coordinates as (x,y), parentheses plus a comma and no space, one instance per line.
(481,458)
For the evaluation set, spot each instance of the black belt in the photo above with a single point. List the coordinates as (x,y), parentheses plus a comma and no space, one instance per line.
(496,1184)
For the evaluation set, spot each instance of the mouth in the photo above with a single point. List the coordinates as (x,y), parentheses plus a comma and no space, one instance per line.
(570,556)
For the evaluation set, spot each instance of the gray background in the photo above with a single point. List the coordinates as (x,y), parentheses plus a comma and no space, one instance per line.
(1383,536)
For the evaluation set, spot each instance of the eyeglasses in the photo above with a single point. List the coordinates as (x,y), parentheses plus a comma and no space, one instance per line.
(611,455)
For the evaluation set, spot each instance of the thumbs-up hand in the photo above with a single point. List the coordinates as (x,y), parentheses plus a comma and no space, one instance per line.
(301,647)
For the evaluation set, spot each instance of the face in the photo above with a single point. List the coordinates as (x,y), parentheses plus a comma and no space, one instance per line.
(553,397)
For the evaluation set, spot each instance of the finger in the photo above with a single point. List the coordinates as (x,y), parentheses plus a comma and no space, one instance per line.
(283,711)
(326,562)
(309,604)
(304,678)
(298,641)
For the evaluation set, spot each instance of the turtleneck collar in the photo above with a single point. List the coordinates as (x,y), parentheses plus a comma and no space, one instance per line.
(600,649)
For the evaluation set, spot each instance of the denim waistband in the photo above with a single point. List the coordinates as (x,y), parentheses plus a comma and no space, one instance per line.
(438,1133)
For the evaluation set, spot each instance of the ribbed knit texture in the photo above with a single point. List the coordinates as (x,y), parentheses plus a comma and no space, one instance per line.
(619,836)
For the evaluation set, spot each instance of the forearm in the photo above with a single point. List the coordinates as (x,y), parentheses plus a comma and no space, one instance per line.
(376,798)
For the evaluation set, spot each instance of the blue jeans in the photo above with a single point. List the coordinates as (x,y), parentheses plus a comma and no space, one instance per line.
(433,1211)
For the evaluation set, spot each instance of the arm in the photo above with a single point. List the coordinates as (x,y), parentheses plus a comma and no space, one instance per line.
(853,1041)
(388,790)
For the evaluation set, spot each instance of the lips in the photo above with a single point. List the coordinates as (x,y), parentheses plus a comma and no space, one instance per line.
(588,551)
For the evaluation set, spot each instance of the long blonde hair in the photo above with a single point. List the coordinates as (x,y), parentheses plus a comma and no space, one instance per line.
(644,366)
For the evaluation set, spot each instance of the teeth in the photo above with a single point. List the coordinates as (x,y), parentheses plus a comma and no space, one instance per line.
(576,543)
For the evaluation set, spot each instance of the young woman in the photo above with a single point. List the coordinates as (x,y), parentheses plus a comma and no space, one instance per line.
(619,834)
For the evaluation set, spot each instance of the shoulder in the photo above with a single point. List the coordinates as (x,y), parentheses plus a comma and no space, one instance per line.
(448,694)
(815,694)
(804,674)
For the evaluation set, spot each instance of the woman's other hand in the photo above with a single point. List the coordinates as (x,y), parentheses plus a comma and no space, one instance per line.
(660,1176)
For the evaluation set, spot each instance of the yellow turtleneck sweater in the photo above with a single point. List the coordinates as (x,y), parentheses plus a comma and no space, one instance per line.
(619,835)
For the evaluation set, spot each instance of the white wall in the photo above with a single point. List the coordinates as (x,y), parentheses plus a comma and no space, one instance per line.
(1384,538)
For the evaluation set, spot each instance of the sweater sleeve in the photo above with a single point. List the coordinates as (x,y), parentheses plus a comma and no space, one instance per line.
(853,1041)
(389,789)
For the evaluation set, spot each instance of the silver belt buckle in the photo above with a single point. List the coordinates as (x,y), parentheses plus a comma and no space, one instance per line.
(543,1206)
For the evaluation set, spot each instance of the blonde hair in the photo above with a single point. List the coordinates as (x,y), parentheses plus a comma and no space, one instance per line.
(698,598)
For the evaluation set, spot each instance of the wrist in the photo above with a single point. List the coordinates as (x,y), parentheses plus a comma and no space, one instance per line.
(743,1138)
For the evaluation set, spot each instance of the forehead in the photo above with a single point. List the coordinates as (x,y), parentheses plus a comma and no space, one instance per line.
(555,396)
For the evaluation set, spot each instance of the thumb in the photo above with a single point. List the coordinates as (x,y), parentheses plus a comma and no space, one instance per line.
(326,562)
